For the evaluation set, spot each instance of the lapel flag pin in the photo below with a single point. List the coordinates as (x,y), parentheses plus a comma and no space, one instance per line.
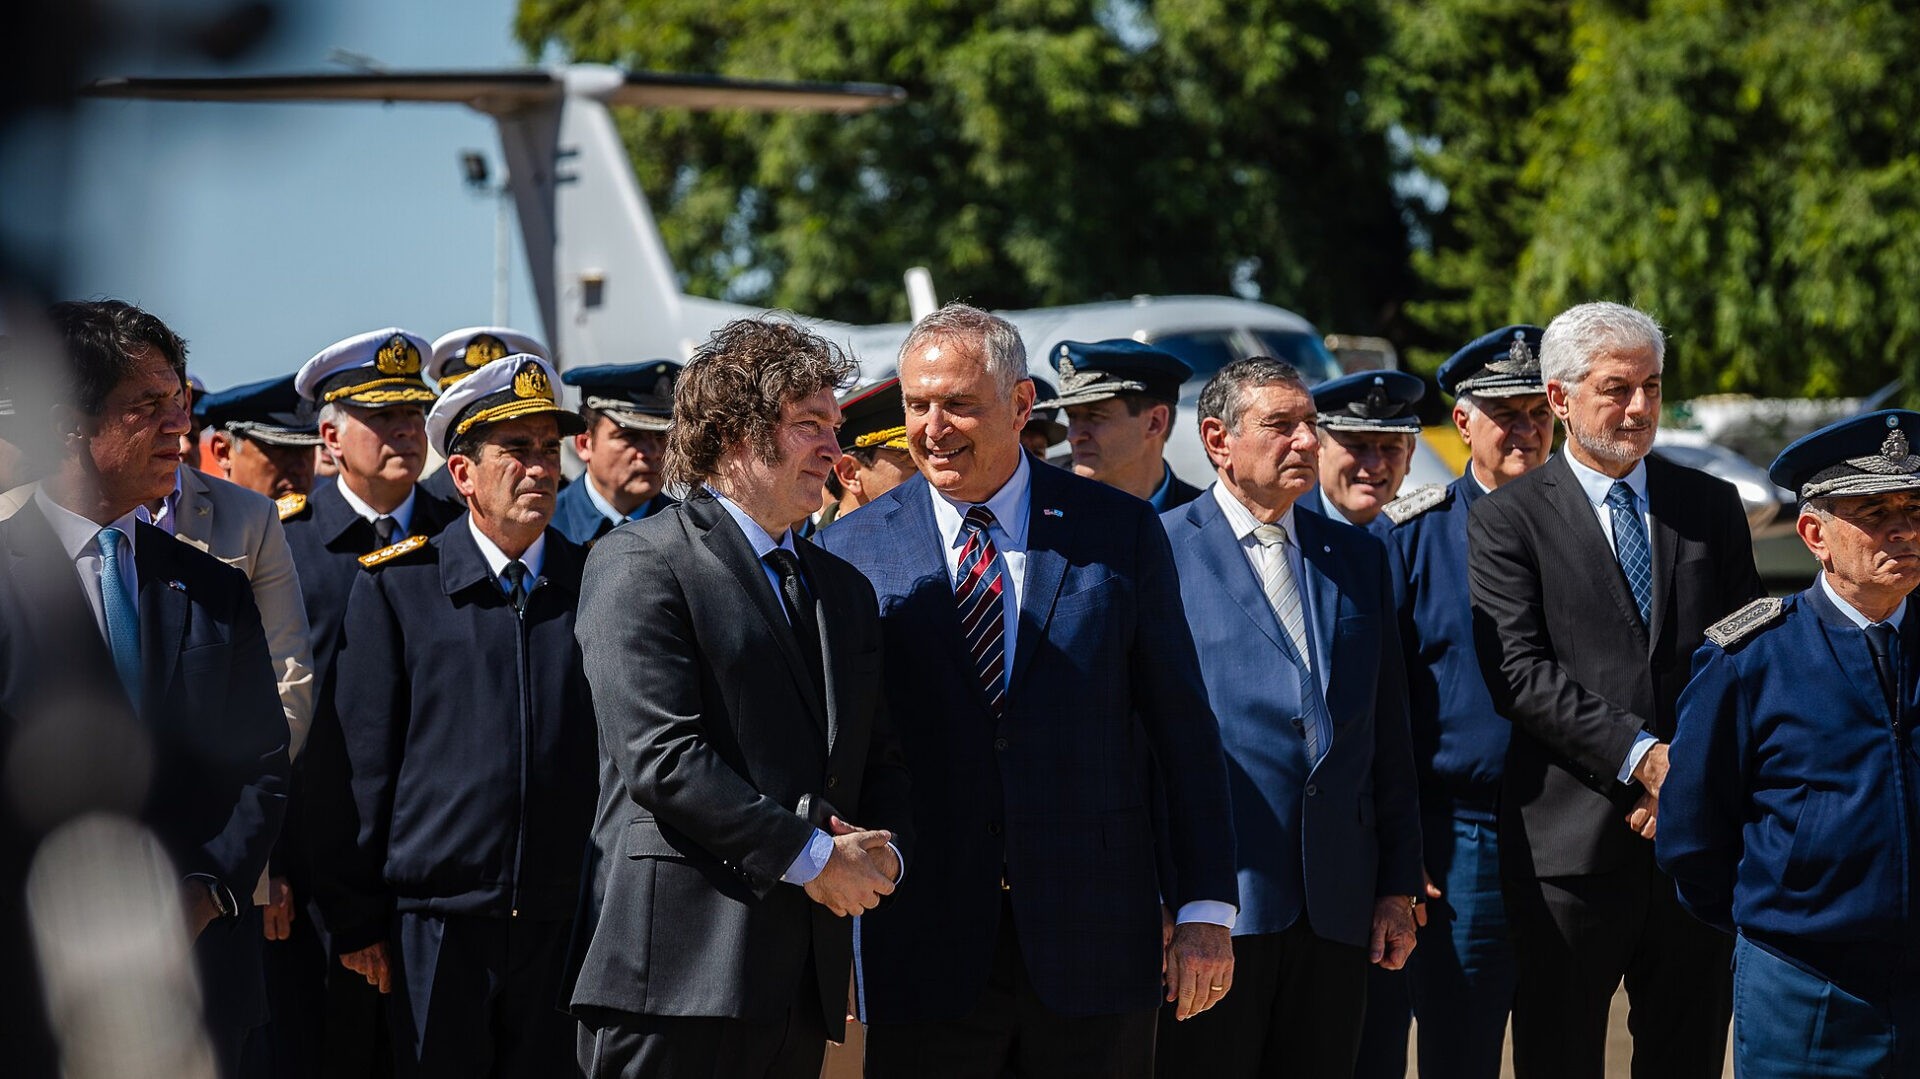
(1054,513)
(177,586)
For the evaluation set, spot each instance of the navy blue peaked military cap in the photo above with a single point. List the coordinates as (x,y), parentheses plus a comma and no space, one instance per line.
(269,411)
(637,396)
(1099,370)
(1369,401)
(1504,363)
(1864,455)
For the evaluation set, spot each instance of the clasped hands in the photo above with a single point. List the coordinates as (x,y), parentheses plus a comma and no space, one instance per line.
(861,871)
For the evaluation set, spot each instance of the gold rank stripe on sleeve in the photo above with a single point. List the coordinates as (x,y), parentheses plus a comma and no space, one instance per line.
(387,554)
(290,505)
(1746,621)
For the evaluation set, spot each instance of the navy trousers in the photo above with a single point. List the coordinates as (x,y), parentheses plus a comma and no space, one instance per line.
(1459,981)
(1789,1022)
(475,997)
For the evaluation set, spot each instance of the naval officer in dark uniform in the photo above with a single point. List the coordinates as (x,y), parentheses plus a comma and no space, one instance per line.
(628,409)
(1120,398)
(1367,428)
(1791,809)
(471,735)
(372,410)
(1460,981)
(459,354)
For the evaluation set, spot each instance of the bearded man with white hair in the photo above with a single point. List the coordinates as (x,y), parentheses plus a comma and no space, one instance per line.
(1593,580)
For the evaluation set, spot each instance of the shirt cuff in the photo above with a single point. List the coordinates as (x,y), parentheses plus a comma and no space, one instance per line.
(811,860)
(1643,742)
(1210,911)
(902,861)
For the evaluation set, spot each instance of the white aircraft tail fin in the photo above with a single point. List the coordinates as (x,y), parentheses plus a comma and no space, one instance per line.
(606,290)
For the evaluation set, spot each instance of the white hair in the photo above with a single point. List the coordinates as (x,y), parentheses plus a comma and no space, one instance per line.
(1579,334)
(1469,403)
(1004,353)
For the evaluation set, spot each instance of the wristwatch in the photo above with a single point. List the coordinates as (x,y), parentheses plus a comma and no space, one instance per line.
(223,901)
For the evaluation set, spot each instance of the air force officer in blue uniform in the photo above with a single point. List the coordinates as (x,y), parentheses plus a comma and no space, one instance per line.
(1367,428)
(1460,983)
(1292,614)
(628,409)
(1791,810)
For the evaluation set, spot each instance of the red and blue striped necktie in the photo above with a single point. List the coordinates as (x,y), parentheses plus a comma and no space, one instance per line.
(977,594)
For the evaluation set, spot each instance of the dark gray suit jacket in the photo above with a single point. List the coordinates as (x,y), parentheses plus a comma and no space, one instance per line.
(710,733)
(1568,661)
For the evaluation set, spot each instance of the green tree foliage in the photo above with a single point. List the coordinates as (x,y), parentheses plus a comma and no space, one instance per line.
(1745,171)
(1051,151)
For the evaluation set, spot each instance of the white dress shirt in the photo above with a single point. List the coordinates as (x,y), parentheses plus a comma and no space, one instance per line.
(402,514)
(497,559)
(1596,485)
(80,538)
(814,856)
(1009,506)
(1243,522)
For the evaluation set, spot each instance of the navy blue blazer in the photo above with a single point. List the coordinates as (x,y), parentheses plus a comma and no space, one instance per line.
(576,517)
(1787,809)
(1331,838)
(1459,739)
(215,736)
(1056,797)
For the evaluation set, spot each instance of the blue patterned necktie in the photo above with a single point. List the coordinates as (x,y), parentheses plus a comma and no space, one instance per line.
(123,626)
(1630,543)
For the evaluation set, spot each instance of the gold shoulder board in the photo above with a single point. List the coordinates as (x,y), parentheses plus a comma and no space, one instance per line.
(291,505)
(387,554)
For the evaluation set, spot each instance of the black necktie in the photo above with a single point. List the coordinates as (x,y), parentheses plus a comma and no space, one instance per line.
(1880,643)
(515,574)
(800,613)
(384,529)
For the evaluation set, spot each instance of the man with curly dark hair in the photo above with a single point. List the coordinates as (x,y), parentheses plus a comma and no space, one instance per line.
(735,672)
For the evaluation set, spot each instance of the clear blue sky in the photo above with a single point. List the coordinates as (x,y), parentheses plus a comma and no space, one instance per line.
(262,233)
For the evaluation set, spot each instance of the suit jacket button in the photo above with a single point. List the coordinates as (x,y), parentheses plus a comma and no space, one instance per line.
(1312,790)
(832,782)
(993,828)
(999,743)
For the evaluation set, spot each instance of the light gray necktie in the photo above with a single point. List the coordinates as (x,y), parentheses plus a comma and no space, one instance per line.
(1283,593)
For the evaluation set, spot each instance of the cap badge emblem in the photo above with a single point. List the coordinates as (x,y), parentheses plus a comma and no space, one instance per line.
(1895,446)
(397,357)
(483,350)
(531,382)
